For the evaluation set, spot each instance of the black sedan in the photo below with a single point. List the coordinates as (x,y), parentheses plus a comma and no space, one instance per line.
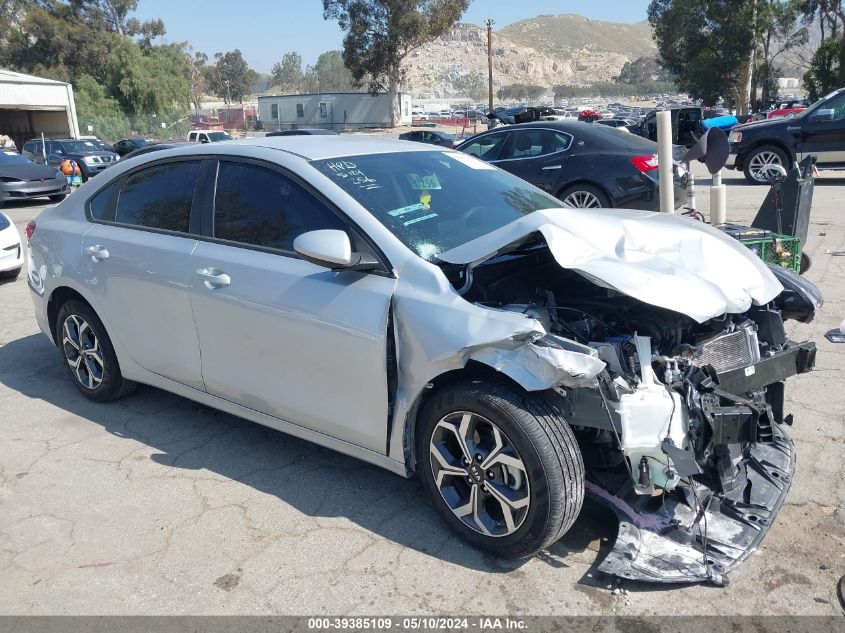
(583,164)
(123,147)
(432,137)
(21,179)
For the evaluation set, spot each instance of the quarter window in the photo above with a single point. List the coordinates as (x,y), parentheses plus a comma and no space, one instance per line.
(101,206)
(261,207)
(159,197)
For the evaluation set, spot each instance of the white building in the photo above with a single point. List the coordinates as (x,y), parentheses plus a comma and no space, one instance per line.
(31,106)
(333,111)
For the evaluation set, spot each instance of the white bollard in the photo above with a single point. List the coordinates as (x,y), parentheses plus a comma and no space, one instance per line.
(664,158)
(718,201)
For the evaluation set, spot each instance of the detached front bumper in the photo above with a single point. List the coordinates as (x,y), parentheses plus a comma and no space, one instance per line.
(672,545)
(711,522)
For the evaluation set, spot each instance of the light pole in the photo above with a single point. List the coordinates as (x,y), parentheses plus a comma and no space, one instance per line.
(489,24)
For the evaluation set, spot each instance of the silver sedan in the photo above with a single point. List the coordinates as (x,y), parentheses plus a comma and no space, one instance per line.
(431,314)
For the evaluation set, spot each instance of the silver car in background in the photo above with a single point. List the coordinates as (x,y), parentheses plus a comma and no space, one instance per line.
(433,315)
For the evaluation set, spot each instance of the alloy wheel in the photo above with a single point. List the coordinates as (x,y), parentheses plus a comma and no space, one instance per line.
(479,474)
(582,200)
(761,163)
(82,351)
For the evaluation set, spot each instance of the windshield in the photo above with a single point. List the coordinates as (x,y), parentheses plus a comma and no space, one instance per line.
(79,147)
(810,110)
(214,137)
(13,158)
(435,201)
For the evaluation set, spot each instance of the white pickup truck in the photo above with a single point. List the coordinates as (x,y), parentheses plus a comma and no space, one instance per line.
(208,136)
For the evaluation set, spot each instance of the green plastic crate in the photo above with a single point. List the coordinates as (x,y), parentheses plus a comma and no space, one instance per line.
(784,250)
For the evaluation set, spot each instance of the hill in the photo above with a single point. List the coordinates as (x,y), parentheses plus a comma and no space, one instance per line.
(568,33)
(547,50)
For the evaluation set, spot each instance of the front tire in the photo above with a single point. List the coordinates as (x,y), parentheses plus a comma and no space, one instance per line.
(58,197)
(87,353)
(501,467)
(11,274)
(758,162)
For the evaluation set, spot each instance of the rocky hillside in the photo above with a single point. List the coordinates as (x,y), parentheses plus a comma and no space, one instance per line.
(546,50)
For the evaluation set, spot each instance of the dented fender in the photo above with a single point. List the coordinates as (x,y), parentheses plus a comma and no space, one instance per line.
(438,331)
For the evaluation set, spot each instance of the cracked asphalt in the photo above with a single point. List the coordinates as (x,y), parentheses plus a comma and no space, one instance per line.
(157,505)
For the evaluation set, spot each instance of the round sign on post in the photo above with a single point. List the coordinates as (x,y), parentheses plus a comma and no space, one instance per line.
(665,163)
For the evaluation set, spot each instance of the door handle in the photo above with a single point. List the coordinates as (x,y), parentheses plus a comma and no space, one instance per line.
(213,278)
(793,129)
(551,167)
(97,252)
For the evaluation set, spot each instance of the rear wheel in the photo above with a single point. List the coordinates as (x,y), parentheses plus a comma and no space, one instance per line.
(758,164)
(502,467)
(584,196)
(87,354)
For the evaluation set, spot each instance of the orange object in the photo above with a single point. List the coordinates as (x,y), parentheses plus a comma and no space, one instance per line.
(69,167)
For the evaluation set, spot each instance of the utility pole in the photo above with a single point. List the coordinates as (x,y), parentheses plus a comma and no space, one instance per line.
(489,24)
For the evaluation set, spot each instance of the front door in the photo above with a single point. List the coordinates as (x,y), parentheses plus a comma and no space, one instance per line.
(824,138)
(279,334)
(137,258)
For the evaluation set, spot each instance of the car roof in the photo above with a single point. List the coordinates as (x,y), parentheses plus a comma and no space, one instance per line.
(319,146)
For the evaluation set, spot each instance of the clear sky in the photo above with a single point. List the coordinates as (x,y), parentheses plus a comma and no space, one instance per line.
(264,30)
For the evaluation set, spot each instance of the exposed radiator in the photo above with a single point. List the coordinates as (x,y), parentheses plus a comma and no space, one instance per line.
(729,351)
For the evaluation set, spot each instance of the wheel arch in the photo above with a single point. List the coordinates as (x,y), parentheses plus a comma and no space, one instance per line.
(473,370)
(58,297)
(774,142)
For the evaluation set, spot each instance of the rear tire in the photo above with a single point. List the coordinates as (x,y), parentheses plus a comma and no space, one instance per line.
(11,274)
(87,354)
(523,485)
(584,196)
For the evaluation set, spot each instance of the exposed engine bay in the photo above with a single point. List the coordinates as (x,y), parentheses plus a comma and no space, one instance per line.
(682,432)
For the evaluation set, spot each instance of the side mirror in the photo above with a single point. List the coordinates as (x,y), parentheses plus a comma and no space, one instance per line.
(825,114)
(332,249)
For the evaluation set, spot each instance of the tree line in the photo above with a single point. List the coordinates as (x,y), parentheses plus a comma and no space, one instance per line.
(729,48)
(121,66)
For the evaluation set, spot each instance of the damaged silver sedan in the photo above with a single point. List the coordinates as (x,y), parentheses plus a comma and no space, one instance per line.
(436,316)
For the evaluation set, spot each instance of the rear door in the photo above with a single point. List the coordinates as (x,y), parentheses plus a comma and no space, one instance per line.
(536,155)
(137,256)
(281,335)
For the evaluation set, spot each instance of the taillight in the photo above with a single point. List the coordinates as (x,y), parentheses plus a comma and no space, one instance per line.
(645,163)
(30,229)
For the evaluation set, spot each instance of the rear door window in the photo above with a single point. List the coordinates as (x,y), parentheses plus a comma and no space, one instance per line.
(159,197)
(531,143)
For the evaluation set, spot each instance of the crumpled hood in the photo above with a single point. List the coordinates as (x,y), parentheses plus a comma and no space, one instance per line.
(662,259)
